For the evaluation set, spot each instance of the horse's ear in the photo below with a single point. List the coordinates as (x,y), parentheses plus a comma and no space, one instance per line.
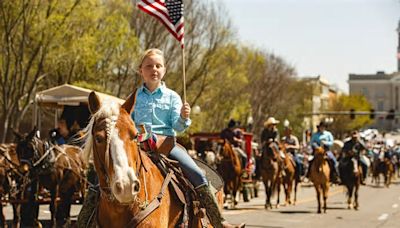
(18,135)
(94,102)
(32,133)
(129,104)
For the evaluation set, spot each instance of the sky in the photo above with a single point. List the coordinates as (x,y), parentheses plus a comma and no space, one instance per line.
(331,38)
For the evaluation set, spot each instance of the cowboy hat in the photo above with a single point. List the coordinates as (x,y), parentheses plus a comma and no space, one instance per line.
(270,121)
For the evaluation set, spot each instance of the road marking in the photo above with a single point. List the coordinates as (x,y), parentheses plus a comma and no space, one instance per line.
(383,217)
(395,205)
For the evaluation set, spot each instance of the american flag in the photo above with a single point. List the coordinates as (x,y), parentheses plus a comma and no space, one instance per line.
(169,12)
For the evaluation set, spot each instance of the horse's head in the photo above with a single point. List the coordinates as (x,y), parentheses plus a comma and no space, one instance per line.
(111,138)
(319,152)
(27,148)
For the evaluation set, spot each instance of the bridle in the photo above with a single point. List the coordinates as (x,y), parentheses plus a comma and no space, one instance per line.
(105,191)
(37,159)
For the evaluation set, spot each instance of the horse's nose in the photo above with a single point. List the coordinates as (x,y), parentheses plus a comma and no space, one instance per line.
(135,187)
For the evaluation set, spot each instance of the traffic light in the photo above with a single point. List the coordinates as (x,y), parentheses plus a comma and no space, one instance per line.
(372,114)
(390,115)
(352,114)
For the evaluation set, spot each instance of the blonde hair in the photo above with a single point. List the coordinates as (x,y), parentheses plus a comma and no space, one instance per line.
(150,52)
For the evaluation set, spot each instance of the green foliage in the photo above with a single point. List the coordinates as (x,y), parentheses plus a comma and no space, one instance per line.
(343,124)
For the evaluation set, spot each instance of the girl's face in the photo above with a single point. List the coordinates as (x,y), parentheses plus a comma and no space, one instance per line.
(152,70)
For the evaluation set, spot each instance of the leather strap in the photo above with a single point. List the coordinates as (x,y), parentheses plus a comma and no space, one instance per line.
(154,204)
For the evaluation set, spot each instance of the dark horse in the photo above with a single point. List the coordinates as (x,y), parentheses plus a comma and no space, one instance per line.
(382,165)
(10,181)
(60,169)
(350,179)
(230,169)
(271,168)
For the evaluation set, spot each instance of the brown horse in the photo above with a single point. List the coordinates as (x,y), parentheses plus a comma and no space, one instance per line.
(10,181)
(319,175)
(271,168)
(288,178)
(60,169)
(133,191)
(230,169)
(384,166)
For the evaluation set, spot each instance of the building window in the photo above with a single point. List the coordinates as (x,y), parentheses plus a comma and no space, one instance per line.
(380,106)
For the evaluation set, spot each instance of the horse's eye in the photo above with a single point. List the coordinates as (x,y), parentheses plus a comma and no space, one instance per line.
(99,139)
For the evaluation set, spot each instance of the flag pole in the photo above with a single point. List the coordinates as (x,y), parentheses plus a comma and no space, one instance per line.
(184,74)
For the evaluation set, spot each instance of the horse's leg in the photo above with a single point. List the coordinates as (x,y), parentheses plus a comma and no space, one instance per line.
(349,195)
(267,193)
(53,206)
(17,214)
(3,222)
(325,190)
(356,187)
(277,184)
(289,191)
(295,191)
(64,207)
(317,189)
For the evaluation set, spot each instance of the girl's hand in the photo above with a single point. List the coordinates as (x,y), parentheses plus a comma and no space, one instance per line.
(185,111)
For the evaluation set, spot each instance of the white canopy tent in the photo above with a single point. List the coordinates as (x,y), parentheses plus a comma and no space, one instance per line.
(62,95)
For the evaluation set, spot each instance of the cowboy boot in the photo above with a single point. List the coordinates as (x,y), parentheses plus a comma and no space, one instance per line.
(212,210)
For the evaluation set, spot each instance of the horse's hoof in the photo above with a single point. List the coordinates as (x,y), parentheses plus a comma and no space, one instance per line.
(319,212)
(266,206)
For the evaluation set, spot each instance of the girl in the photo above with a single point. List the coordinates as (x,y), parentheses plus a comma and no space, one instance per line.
(161,110)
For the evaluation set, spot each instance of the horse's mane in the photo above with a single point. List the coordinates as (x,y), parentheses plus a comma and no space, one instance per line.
(108,110)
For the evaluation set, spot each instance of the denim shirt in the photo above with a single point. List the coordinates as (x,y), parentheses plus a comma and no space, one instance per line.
(325,136)
(159,111)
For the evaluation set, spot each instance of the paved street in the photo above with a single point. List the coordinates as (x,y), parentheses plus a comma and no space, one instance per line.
(379,207)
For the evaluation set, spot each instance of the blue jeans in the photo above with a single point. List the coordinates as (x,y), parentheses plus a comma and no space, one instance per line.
(191,170)
(299,164)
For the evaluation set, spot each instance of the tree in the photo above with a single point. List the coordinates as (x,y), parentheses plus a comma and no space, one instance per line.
(343,124)
(28,29)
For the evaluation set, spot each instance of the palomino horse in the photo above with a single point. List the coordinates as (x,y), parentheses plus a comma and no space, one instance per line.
(60,169)
(133,191)
(288,178)
(230,169)
(350,179)
(10,180)
(271,173)
(319,175)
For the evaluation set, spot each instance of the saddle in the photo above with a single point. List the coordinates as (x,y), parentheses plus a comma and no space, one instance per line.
(158,149)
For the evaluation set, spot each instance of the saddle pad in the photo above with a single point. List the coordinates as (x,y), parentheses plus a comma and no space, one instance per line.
(212,175)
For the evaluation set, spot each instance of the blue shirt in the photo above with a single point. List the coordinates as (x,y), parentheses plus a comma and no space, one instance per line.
(159,111)
(320,137)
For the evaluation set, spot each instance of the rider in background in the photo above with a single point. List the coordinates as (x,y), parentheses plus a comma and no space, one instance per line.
(270,134)
(234,136)
(352,149)
(324,138)
(65,134)
(292,146)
